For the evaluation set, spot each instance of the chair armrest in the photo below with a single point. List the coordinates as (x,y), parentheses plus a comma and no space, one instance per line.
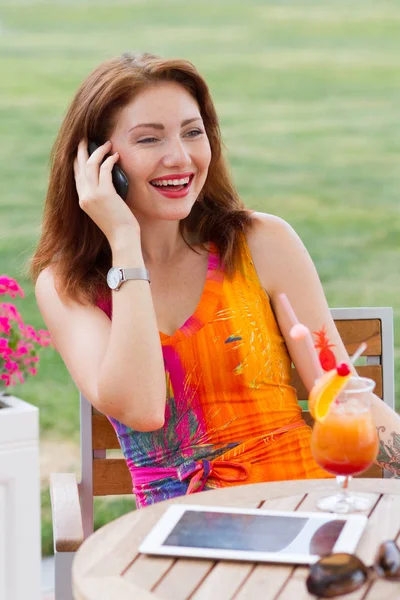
(66,512)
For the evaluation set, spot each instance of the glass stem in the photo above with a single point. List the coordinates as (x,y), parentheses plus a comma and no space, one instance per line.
(343,483)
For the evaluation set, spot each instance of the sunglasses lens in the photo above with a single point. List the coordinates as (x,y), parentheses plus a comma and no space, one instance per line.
(387,562)
(336,574)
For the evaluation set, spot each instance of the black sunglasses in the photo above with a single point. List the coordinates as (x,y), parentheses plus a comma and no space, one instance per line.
(342,573)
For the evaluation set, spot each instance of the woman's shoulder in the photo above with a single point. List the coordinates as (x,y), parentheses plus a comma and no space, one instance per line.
(272,243)
(46,281)
(268,231)
(49,290)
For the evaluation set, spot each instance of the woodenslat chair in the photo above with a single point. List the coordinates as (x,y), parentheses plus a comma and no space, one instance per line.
(72,503)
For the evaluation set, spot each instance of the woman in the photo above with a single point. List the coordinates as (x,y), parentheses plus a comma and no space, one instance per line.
(193,369)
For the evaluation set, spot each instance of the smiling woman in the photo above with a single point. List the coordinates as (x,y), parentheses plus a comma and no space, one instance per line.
(169,158)
(193,371)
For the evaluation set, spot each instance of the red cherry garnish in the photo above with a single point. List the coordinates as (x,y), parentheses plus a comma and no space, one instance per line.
(343,369)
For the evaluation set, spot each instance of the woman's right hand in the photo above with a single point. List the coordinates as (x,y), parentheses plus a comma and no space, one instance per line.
(97,194)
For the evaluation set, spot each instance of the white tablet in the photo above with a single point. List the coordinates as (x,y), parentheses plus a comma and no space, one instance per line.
(250,534)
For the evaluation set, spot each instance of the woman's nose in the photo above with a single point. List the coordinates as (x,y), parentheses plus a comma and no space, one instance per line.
(176,155)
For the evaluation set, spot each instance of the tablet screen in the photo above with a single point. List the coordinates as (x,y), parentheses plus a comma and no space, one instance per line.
(258,533)
(251,534)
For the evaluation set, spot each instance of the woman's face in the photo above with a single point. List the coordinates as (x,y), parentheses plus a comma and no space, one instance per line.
(164,151)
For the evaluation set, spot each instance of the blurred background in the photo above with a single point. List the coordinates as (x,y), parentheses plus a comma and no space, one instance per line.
(308,95)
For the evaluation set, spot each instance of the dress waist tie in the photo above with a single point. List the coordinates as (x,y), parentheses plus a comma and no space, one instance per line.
(199,471)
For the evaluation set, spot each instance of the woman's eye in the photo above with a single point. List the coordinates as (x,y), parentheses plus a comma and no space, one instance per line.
(148,140)
(194,132)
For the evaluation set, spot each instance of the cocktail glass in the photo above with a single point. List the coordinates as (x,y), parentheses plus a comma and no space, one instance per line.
(345,443)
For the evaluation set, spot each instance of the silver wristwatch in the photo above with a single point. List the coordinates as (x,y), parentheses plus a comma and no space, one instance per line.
(116,276)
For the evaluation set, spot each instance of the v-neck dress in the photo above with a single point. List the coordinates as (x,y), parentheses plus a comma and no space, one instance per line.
(231,415)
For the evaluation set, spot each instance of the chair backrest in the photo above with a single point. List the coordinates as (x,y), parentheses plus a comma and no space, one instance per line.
(104,475)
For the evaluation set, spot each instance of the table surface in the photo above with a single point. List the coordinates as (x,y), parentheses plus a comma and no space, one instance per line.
(108,566)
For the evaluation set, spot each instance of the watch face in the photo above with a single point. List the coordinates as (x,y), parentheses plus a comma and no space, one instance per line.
(113,278)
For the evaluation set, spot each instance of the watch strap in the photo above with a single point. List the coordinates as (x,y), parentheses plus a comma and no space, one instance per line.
(137,273)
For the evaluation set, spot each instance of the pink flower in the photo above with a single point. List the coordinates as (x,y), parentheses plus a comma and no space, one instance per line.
(6,378)
(5,326)
(11,366)
(4,344)
(10,287)
(19,343)
(22,349)
(28,331)
(9,310)
(44,338)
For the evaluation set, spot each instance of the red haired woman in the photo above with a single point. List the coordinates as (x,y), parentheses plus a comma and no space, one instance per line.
(192,369)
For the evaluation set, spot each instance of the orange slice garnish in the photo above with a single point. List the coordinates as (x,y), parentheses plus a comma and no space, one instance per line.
(325,390)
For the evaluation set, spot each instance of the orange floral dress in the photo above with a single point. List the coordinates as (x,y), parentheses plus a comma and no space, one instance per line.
(231,415)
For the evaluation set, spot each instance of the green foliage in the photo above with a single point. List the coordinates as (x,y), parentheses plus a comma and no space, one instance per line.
(108,508)
(47,527)
(308,99)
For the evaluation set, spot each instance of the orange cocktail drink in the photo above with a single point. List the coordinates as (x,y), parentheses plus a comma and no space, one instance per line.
(344,440)
(345,443)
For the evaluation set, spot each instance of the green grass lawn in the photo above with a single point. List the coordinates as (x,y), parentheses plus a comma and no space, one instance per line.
(308,96)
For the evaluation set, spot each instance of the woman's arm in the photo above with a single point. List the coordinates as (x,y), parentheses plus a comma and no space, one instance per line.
(290,270)
(118,365)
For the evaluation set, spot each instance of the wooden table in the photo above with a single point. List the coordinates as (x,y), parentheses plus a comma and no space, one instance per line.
(107,566)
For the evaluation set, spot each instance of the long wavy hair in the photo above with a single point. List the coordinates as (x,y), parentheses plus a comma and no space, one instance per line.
(70,240)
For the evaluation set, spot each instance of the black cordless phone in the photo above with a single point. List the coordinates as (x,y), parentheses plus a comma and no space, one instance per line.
(119,178)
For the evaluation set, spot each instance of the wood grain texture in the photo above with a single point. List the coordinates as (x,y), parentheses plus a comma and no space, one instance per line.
(66,512)
(111,553)
(383,590)
(147,571)
(111,476)
(111,588)
(383,524)
(103,433)
(114,550)
(354,332)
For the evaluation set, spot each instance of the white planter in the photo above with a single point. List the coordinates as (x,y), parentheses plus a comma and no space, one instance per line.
(20,544)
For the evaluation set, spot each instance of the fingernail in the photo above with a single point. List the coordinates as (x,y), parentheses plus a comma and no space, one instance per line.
(108,142)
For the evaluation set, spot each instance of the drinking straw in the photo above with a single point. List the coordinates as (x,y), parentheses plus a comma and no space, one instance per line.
(299,331)
(358,352)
